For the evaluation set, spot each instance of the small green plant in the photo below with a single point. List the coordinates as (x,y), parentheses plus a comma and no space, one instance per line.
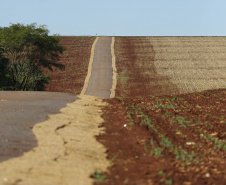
(183,123)
(165,142)
(170,103)
(145,147)
(157,151)
(180,99)
(99,176)
(180,133)
(161,172)
(208,137)
(121,152)
(74,74)
(112,160)
(175,98)
(118,78)
(119,98)
(163,117)
(214,95)
(169,181)
(125,71)
(164,106)
(200,95)
(125,81)
(168,113)
(85,65)
(152,96)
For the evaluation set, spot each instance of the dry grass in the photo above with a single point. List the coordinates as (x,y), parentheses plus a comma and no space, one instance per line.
(191,63)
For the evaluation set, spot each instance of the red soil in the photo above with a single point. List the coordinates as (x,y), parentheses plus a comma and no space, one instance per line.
(157,136)
(164,138)
(193,124)
(76,59)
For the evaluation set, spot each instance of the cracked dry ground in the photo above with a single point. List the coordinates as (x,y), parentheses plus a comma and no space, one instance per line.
(154,135)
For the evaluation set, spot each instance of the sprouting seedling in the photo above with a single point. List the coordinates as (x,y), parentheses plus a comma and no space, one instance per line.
(157,151)
(169,181)
(112,160)
(119,98)
(161,172)
(145,147)
(99,176)
(200,95)
(168,113)
(170,103)
(152,96)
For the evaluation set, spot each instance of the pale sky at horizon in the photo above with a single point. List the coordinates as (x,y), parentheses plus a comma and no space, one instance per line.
(120,17)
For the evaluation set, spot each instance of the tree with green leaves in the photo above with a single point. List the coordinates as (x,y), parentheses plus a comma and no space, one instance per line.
(4,81)
(26,50)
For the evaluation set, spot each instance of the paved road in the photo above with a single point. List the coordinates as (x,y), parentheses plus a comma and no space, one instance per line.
(100,81)
(19,112)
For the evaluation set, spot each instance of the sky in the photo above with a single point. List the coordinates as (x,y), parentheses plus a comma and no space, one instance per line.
(119,17)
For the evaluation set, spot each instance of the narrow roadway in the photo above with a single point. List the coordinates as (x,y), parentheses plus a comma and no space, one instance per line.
(36,150)
(100,82)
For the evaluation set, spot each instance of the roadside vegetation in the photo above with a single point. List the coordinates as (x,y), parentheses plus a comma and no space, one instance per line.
(24,51)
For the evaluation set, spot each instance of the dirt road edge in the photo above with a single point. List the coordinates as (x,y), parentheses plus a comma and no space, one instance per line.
(114,80)
(86,83)
(67,152)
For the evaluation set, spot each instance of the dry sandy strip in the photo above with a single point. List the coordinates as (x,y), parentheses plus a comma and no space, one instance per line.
(67,151)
